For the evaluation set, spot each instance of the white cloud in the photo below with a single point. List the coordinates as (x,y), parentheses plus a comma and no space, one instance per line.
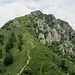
(62,9)
(12,10)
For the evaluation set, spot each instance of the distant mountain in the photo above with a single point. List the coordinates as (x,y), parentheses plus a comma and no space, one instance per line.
(37,44)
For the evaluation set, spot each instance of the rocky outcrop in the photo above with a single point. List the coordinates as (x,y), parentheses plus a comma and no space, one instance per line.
(50,30)
(42,38)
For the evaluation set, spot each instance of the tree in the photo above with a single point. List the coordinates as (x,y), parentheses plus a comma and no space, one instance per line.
(20,47)
(73,73)
(1,36)
(11,41)
(20,42)
(63,65)
(2,68)
(8,59)
(0,53)
(20,36)
(20,39)
(1,41)
(7,47)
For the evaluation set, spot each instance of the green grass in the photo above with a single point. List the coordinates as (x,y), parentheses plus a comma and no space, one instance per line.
(44,60)
(52,61)
(20,58)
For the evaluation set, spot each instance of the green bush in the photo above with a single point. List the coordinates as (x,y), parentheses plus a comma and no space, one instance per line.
(8,59)
(63,65)
(0,53)
(27,70)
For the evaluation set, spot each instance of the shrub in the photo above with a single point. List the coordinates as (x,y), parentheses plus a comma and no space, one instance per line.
(7,47)
(27,70)
(20,47)
(63,65)
(8,59)
(0,53)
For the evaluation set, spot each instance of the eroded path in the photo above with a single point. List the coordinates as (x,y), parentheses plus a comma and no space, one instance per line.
(29,58)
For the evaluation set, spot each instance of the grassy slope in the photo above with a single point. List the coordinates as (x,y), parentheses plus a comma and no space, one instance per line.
(41,56)
(51,61)
(19,57)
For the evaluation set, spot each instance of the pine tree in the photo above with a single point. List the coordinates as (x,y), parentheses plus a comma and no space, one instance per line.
(0,53)
(8,59)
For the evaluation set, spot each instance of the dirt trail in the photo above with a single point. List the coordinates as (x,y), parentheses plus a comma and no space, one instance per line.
(32,45)
(29,58)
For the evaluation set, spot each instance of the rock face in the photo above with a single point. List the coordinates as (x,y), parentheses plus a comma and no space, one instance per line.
(50,30)
(42,38)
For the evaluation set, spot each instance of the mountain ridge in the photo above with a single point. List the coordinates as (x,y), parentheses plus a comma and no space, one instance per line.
(53,39)
(46,28)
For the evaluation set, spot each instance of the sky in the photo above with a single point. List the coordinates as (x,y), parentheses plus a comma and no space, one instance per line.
(63,9)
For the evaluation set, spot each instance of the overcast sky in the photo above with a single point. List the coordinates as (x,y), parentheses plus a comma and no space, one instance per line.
(63,9)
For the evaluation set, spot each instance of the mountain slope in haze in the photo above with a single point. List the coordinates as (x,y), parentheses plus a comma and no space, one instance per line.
(40,42)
